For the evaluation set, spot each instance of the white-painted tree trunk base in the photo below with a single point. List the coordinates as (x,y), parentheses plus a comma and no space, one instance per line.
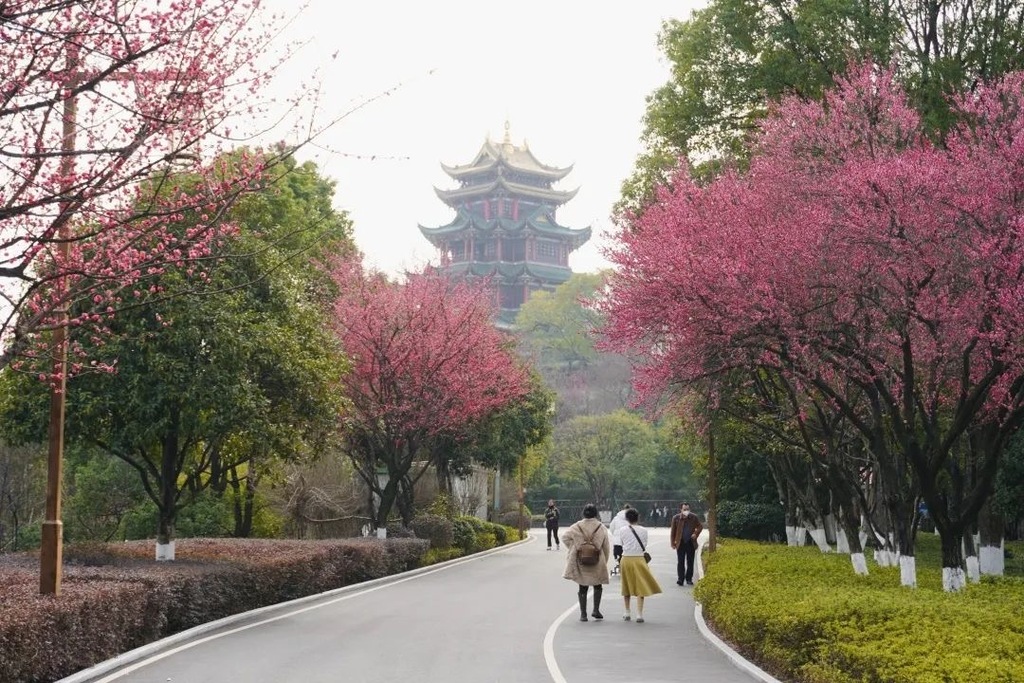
(165,552)
(908,571)
(863,538)
(886,558)
(382,532)
(860,564)
(821,540)
(973,569)
(842,545)
(992,560)
(953,579)
(796,536)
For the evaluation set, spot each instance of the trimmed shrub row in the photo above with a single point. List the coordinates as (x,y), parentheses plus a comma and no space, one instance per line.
(114,600)
(807,617)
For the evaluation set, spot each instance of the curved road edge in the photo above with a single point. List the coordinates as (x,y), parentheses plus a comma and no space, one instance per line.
(733,656)
(157,646)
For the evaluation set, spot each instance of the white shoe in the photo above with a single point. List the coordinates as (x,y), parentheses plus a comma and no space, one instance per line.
(626,617)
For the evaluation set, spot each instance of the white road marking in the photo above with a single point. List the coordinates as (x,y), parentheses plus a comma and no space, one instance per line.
(348,596)
(549,645)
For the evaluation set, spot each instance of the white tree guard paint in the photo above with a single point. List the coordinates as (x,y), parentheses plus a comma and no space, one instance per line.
(863,538)
(953,579)
(165,552)
(842,545)
(382,532)
(796,536)
(886,558)
(908,571)
(860,564)
(992,560)
(973,569)
(820,539)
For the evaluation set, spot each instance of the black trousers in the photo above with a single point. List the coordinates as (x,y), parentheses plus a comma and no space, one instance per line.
(684,556)
(552,530)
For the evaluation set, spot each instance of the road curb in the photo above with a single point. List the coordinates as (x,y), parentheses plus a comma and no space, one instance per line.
(150,649)
(737,660)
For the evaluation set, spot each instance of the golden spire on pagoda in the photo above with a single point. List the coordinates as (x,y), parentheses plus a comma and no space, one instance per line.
(506,143)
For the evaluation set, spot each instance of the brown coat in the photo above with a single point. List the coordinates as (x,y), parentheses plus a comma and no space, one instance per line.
(676,533)
(593,575)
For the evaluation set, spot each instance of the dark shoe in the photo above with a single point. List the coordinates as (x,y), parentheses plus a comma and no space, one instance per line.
(583,617)
(689,583)
(680,582)
(597,615)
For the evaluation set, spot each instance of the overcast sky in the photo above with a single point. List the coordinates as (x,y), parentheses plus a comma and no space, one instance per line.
(570,78)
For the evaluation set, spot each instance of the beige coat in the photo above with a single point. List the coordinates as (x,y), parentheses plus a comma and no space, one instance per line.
(575,535)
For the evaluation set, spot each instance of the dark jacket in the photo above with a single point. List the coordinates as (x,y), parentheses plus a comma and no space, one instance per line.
(551,518)
(691,523)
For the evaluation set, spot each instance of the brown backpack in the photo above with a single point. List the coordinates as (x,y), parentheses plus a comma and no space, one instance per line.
(588,554)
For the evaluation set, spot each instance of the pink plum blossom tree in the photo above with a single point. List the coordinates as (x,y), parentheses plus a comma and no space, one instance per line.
(854,250)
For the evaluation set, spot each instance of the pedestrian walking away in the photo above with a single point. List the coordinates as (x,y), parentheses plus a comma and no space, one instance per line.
(586,564)
(686,527)
(615,527)
(637,579)
(551,523)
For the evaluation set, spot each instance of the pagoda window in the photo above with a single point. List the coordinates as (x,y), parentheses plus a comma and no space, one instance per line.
(457,250)
(485,250)
(548,251)
(510,296)
(513,250)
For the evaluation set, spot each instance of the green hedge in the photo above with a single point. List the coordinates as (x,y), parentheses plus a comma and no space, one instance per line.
(807,617)
(115,598)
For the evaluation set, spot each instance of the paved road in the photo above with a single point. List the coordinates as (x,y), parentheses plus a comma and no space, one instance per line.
(503,617)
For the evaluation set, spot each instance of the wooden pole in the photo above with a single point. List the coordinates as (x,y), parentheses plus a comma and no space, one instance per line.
(51,551)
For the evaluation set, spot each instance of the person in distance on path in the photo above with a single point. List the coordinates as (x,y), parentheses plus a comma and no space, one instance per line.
(685,529)
(588,529)
(637,579)
(551,522)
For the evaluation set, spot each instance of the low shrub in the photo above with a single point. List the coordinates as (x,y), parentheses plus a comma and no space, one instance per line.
(435,555)
(463,534)
(752,521)
(437,529)
(115,597)
(807,617)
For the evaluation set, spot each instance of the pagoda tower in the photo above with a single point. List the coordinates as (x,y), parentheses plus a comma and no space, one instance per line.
(504,226)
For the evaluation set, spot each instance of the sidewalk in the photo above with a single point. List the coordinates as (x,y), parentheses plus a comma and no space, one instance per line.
(669,646)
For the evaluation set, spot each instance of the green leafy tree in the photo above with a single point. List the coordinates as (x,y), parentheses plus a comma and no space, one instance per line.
(213,380)
(557,333)
(733,58)
(605,453)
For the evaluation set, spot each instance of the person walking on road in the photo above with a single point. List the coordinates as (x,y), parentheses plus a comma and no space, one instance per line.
(685,529)
(637,579)
(615,527)
(551,523)
(585,565)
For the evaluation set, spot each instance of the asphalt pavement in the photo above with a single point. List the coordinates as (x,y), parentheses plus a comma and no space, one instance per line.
(504,616)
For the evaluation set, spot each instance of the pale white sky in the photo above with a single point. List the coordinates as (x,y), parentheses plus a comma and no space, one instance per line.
(571,77)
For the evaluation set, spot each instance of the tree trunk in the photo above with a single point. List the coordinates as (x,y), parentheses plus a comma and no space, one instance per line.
(990,529)
(971,558)
(167,506)
(953,578)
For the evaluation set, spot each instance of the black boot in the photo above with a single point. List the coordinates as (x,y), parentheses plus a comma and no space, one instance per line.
(583,603)
(597,603)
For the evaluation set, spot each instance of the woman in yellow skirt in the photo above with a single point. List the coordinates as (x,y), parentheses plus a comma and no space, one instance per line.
(637,578)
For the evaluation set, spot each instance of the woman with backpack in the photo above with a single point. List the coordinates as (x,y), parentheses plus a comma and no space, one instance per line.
(590,546)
